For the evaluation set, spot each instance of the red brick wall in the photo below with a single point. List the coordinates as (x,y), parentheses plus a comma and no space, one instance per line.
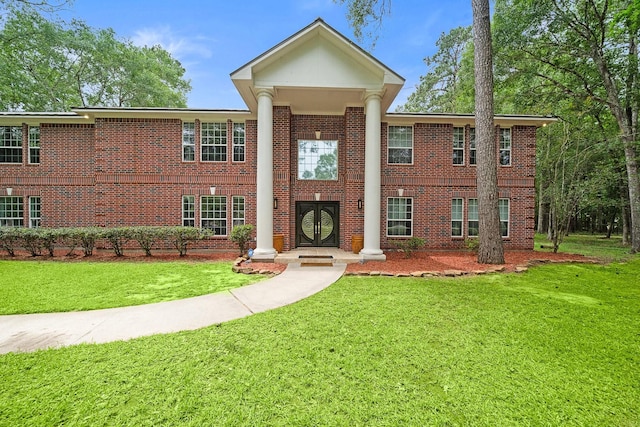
(130,172)
(433,180)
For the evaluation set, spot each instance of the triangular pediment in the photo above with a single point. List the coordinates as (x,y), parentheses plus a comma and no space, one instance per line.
(319,71)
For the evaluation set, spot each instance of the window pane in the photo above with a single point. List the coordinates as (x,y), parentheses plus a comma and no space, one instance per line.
(10,144)
(188,142)
(189,211)
(399,216)
(505,147)
(318,160)
(400,145)
(34,145)
(213,139)
(11,212)
(473,217)
(472,146)
(238,210)
(456,217)
(503,205)
(238,142)
(34,212)
(213,214)
(458,146)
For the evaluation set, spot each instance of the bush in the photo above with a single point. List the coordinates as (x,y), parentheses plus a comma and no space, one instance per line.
(242,234)
(472,245)
(31,240)
(409,245)
(148,236)
(49,238)
(181,236)
(9,238)
(86,237)
(117,237)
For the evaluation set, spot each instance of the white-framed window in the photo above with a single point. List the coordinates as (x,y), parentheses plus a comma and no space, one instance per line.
(458,146)
(11,212)
(10,144)
(188,142)
(213,142)
(472,218)
(238,211)
(400,145)
(188,211)
(457,209)
(238,142)
(34,211)
(318,160)
(399,217)
(472,146)
(34,145)
(505,147)
(503,205)
(213,214)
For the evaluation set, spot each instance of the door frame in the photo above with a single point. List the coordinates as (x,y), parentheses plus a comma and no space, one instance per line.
(302,207)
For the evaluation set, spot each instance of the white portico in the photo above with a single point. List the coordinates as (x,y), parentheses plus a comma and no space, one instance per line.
(318,72)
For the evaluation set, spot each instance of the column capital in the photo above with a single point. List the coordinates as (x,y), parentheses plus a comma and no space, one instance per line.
(370,95)
(265,91)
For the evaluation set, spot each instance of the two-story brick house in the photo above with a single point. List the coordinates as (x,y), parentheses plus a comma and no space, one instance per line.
(314,158)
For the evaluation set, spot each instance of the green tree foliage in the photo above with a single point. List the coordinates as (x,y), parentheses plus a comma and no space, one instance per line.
(48,65)
(367,16)
(440,89)
(586,51)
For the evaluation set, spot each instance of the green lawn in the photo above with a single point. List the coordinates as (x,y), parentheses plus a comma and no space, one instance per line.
(593,245)
(555,346)
(50,286)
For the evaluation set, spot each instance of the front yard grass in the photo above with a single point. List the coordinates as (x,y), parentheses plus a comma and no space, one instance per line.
(51,286)
(557,345)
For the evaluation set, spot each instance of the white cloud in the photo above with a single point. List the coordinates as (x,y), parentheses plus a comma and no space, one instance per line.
(180,47)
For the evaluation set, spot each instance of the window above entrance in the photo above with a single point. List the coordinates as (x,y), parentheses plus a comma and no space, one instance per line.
(317,160)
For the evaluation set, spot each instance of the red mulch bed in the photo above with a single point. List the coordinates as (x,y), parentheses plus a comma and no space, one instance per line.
(440,261)
(396,263)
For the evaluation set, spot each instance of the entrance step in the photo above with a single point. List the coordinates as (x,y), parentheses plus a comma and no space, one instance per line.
(316,260)
(317,257)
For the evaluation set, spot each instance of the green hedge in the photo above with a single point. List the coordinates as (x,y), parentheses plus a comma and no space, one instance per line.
(37,240)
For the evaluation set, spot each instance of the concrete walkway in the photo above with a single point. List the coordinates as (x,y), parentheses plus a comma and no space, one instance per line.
(29,332)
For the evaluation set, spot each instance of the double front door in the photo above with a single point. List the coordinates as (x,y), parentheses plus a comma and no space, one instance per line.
(317,224)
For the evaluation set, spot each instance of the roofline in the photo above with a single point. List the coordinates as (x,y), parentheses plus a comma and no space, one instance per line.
(305,29)
(509,119)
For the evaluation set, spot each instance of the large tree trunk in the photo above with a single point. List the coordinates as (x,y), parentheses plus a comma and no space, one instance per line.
(490,250)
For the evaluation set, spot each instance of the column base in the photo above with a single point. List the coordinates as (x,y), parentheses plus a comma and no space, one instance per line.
(264,255)
(372,255)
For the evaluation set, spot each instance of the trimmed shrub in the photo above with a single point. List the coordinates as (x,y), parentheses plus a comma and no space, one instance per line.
(85,237)
(148,236)
(117,238)
(242,234)
(49,238)
(9,239)
(409,245)
(181,236)
(31,239)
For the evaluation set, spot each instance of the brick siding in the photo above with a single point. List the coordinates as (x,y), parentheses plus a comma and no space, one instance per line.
(129,171)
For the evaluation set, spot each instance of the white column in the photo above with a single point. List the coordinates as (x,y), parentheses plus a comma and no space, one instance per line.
(372,210)
(264,209)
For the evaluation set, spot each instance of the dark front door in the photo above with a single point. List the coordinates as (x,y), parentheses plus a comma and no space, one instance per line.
(317,224)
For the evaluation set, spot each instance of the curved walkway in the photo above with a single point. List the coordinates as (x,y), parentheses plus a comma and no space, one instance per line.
(29,332)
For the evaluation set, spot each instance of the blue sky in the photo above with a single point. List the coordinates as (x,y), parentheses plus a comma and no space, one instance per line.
(212,38)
